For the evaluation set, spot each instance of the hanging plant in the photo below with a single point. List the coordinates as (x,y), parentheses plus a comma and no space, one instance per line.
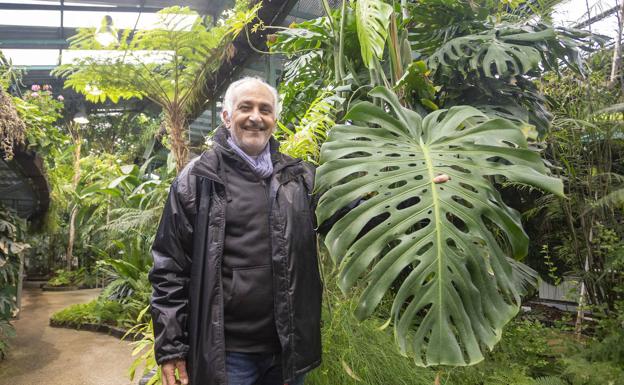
(12,128)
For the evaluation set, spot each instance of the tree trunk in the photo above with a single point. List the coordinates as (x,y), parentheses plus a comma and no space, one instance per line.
(177,127)
(72,237)
(580,313)
(617,49)
(72,220)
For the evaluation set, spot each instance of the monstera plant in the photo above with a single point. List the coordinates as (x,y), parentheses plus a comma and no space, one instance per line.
(444,254)
(449,247)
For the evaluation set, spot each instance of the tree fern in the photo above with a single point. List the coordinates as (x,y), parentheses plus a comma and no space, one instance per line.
(169,65)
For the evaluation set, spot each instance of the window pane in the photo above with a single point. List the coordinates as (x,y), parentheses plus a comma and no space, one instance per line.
(121,20)
(32,57)
(30,18)
(36,2)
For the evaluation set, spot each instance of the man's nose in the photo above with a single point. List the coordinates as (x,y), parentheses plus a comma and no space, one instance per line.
(254,116)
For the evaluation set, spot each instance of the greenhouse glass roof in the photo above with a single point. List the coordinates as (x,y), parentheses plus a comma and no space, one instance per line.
(33,33)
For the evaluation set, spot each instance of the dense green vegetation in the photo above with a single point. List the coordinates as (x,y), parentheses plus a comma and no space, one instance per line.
(524,116)
(12,247)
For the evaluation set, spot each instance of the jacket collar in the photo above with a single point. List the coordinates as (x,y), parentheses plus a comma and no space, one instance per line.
(209,163)
(208,166)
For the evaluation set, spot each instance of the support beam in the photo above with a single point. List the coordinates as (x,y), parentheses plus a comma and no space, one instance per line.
(204,7)
(303,15)
(33,44)
(90,8)
(597,18)
(60,33)
(22,32)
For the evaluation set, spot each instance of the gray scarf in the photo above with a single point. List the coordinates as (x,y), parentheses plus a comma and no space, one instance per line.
(262,165)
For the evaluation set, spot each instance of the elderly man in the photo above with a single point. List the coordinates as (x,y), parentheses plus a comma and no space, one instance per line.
(237,290)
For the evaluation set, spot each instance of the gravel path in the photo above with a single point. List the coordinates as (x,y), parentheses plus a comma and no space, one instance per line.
(43,355)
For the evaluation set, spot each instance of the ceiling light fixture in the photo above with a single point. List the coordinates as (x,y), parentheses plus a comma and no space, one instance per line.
(106,34)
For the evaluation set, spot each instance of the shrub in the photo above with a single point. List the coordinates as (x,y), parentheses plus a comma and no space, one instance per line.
(6,332)
(10,249)
(522,355)
(580,371)
(80,278)
(94,312)
(61,278)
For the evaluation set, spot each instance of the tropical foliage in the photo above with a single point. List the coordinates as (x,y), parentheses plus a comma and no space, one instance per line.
(169,65)
(11,250)
(12,128)
(382,96)
(445,253)
(453,241)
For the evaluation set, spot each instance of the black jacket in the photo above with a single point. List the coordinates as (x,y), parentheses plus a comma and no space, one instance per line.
(187,301)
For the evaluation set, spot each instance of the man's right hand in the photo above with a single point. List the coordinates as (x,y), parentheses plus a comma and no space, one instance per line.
(168,372)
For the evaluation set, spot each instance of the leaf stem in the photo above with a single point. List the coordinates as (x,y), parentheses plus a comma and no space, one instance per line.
(343,14)
(438,221)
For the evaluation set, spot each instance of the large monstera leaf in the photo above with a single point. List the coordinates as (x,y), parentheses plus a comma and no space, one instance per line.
(511,50)
(448,247)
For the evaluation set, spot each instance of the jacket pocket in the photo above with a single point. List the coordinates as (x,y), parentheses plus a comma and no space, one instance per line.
(251,293)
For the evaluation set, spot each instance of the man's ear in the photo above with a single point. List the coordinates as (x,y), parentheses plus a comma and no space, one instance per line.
(225,118)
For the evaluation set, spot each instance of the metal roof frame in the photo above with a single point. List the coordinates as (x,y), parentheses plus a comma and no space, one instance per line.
(23,185)
(204,7)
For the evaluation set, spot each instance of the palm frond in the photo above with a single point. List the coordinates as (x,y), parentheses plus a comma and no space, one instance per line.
(207,58)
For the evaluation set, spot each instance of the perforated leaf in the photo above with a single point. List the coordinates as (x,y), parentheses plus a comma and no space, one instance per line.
(491,52)
(372,18)
(446,247)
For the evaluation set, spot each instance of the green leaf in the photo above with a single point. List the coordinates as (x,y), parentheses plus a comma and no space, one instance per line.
(446,246)
(118,180)
(490,52)
(372,19)
(88,190)
(110,192)
(129,169)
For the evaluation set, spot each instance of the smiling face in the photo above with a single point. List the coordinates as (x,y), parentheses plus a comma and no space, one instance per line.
(252,121)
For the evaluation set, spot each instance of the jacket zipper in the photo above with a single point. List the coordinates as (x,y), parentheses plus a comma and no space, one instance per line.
(272,199)
(221,325)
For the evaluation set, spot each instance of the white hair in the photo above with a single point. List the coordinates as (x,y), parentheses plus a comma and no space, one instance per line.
(230,94)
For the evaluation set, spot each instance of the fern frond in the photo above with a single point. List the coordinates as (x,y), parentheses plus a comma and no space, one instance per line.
(550,380)
(305,140)
(127,219)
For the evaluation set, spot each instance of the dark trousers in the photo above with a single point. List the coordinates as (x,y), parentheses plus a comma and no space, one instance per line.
(256,369)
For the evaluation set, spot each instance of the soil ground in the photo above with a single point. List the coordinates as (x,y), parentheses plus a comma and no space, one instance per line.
(43,355)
